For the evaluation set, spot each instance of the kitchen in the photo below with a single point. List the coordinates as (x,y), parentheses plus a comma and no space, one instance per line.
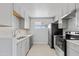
(25,30)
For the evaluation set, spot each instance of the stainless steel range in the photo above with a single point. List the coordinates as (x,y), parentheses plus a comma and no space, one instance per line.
(60,46)
(70,36)
(61,42)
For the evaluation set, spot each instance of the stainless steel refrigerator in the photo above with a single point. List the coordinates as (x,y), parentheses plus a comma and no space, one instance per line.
(53,30)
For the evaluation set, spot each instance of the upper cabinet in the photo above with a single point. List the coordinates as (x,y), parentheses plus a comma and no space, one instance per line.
(19,16)
(67,12)
(6,14)
(64,9)
(27,22)
(77,14)
(19,9)
(71,7)
(22,20)
(67,8)
(18,20)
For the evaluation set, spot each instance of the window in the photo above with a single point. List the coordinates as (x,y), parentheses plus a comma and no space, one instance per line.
(40,25)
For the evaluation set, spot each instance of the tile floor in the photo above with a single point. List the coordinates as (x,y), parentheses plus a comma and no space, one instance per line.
(41,50)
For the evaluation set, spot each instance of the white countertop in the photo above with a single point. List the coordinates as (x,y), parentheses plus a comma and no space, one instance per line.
(74,41)
(19,40)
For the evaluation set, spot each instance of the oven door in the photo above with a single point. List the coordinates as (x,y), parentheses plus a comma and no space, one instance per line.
(60,46)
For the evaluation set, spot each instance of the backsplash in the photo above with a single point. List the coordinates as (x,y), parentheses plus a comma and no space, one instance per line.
(72,26)
(21,32)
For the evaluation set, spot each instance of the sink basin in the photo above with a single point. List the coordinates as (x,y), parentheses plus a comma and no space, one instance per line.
(21,37)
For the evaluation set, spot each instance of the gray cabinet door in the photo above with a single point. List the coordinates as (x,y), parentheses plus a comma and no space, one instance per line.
(71,52)
(71,7)
(19,49)
(65,9)
(27,22)
(30,42)
(31,38)
(26,45)
(5,14)
(26,50)
(5,47)
(77,15)
(23,47)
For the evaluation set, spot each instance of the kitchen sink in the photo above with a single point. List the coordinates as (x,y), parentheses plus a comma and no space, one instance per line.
(21,37)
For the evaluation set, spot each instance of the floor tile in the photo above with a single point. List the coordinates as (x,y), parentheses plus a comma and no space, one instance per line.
(41,50)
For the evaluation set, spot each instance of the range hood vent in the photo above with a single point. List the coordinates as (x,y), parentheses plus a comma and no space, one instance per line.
(70,15)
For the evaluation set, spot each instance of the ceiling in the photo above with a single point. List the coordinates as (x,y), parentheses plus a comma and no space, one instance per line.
(41,9)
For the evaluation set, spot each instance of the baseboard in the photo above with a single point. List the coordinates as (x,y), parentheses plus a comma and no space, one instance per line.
(40,43)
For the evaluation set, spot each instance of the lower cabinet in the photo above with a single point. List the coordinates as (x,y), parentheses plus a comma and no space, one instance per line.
(16,49)
(5,46)
(27,46)
(72,49)
(19,49)
(24,46)
(71,52)
(30,42)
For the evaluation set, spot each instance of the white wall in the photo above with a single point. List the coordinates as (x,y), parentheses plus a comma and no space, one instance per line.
(40,36)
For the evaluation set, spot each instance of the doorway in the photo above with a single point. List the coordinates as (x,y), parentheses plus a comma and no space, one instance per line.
(39,29)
